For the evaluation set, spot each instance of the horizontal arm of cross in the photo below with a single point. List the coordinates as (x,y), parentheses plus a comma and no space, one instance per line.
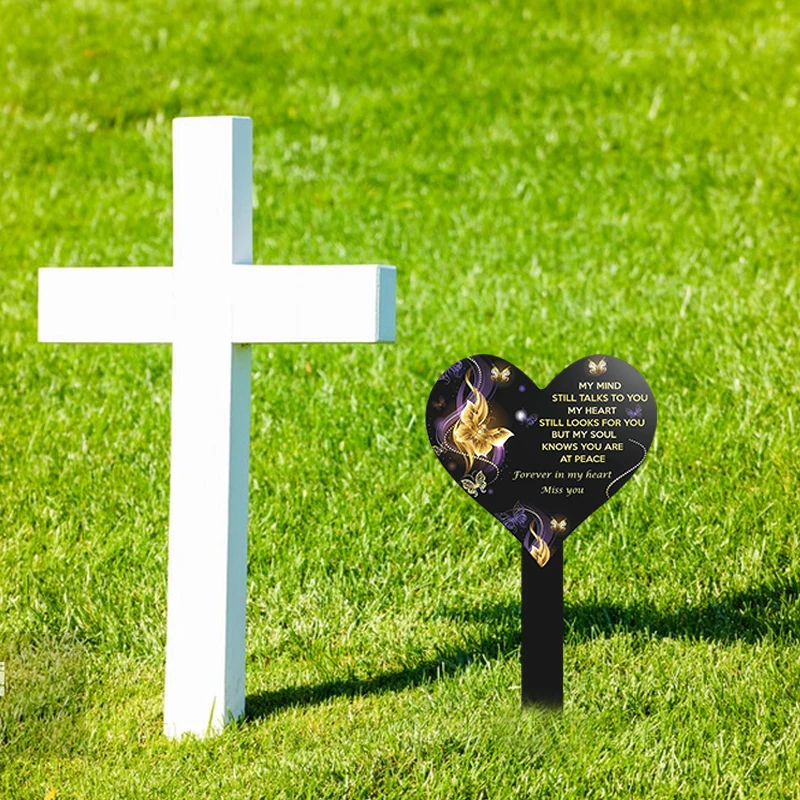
(267,304)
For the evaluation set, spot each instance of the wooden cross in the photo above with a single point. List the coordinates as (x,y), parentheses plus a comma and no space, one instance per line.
(211,305)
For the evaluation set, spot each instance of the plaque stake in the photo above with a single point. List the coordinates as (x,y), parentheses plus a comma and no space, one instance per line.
(542,647)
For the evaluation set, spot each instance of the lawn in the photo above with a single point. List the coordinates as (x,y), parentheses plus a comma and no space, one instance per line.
(551,180)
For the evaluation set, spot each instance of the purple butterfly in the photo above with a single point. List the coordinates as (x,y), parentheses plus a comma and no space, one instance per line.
(522,416)
(634,412)
(451,373)
(515,519)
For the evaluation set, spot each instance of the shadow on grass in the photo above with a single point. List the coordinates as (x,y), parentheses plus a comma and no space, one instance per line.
(771,610)
(263,704)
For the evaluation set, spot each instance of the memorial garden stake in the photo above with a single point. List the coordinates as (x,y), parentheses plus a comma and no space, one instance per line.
(211,305)
(541,461)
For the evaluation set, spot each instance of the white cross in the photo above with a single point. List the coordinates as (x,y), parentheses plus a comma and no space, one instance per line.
(211,305)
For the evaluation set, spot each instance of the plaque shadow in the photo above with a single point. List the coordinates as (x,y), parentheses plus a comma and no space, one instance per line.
(768,610)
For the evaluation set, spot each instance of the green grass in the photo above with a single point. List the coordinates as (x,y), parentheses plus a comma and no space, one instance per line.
(551,180)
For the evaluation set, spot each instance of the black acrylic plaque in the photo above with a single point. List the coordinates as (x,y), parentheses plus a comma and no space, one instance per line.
(541,461)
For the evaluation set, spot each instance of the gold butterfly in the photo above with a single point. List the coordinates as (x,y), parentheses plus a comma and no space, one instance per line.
(501,376)
(472,434)
(558,525)
(539,550)
(597,367)
(473,487)
(438,403)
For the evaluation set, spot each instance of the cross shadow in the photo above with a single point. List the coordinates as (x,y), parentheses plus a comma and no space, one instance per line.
(446,662)
(770,610)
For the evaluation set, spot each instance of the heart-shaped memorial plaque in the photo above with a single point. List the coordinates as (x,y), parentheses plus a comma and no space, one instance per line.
(541,460)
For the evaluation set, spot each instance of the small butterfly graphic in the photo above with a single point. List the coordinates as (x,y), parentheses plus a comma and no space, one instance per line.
(515,519)
(439,403)
(522,416)
(473,487)
(634,412)
(501,376)
(558,525)
(598,367)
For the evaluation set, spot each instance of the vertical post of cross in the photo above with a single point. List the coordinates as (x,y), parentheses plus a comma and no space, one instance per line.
(542,646)
(212,174)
